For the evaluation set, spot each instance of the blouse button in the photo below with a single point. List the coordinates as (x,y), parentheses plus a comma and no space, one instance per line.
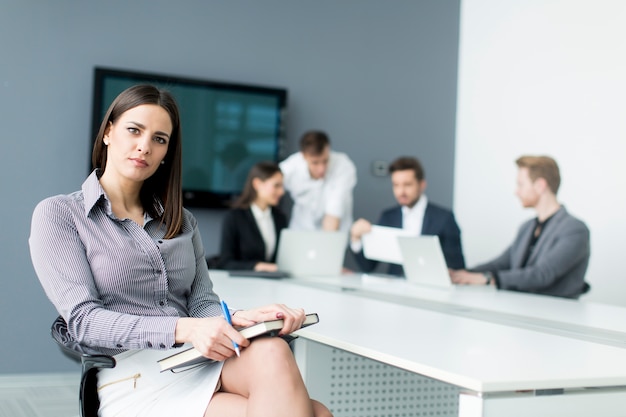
(162,345)
(149,344)
(119,345)
(161,303)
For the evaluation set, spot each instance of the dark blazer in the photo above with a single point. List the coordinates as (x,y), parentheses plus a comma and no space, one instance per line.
(557,265)
(242,245)
(437,221)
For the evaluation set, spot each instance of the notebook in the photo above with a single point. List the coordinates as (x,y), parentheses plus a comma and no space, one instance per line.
(311,252)
(423,261)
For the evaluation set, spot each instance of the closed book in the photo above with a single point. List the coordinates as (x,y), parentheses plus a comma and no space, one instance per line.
(192,356)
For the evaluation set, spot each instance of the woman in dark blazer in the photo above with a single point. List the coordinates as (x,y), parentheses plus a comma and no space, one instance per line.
(251,229)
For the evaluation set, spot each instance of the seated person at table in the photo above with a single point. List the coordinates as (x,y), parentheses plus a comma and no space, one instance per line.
(320,182)
(251,229)
(550,253)
(123,263)
(413,213)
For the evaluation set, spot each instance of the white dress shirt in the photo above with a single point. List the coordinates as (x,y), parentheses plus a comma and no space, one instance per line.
(265,223)
(315,198)
(413,217)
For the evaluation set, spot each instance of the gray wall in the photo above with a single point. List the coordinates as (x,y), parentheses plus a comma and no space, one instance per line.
(380,77)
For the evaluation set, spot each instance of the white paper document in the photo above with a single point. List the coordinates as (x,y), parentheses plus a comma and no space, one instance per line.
(381,244)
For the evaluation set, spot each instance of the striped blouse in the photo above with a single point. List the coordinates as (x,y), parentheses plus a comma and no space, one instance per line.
(118,285)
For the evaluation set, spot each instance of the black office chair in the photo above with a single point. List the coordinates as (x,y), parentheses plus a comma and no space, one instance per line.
(91,362)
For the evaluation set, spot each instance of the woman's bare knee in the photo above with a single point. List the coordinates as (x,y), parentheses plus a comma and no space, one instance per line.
(270,351)
(265,360)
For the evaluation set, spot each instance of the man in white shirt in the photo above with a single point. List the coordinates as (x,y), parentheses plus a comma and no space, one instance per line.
(413,213)
(320,182)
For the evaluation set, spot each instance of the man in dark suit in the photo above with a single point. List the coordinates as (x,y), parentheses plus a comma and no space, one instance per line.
(415,214)
(550,253)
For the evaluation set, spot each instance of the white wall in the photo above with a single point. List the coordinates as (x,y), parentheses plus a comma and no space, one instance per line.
(543,77)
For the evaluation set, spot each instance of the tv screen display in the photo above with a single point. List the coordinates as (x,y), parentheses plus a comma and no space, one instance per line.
(226,128)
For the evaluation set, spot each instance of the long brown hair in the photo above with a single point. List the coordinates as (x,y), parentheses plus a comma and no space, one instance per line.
(161,194)
(261,170)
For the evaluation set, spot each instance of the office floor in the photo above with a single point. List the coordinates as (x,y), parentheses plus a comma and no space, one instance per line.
(40,395)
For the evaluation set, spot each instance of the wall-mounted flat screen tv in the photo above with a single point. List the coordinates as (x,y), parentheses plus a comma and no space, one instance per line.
(226,128)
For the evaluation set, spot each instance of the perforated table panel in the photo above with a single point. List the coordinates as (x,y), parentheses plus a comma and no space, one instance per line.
(354,386)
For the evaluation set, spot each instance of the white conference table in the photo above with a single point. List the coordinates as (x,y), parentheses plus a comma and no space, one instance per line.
(573,318)
(498,368)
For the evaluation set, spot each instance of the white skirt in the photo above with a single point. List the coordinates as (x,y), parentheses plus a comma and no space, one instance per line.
(136,387)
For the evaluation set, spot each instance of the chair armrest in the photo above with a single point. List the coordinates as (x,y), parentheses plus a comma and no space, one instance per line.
(90,361)
(69,346)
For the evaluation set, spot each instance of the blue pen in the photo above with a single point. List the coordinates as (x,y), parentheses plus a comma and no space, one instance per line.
(227,317)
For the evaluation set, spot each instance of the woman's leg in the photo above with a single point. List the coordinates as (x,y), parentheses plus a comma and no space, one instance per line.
(320,410)
(265,380)
(224,404)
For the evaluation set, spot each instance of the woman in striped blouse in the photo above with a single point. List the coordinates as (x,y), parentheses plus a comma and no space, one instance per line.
(123,263)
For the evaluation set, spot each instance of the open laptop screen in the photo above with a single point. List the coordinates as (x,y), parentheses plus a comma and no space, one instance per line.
(311,252)
(423,261)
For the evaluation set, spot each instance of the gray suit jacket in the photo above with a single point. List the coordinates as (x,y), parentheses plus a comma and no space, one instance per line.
(557,265)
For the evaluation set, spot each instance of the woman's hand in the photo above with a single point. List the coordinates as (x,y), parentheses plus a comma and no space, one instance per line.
(294,317)
(211,336)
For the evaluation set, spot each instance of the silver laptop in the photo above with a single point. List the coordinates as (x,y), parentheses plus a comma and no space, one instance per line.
(423,261)
(311,252)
